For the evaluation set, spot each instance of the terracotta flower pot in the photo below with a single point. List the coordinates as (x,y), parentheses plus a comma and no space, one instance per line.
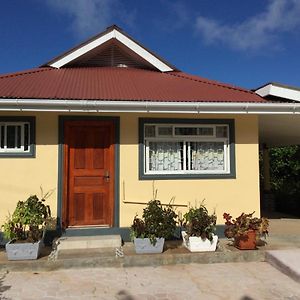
(246,241)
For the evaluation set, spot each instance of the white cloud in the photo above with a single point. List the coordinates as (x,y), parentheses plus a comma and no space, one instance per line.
(90,16)
(181,13)
(257,32)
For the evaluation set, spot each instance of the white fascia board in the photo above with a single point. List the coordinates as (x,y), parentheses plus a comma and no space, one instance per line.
(278,91)
(285,93)
(82,50)
(148,107)
(142,52)
(264,91)
(121,38)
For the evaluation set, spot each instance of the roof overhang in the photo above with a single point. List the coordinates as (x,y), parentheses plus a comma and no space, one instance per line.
(279,91)
(148,106)
(279,130)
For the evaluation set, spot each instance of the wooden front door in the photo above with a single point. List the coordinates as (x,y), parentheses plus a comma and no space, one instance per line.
(89,167)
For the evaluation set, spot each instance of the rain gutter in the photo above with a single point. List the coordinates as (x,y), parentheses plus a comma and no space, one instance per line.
(147,106)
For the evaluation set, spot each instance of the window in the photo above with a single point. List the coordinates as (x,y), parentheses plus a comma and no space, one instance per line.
(184,150)
(17,136)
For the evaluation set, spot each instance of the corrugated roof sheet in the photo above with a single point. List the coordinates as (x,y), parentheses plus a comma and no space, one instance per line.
(108,83)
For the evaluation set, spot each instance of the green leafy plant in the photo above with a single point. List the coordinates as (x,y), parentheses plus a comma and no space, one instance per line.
(28,221)
(242,224)
(284,178)
(198,222)
(157,222)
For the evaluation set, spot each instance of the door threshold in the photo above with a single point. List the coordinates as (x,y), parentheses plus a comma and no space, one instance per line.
(87,227)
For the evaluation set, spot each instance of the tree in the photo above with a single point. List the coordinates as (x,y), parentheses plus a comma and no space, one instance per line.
(285,177)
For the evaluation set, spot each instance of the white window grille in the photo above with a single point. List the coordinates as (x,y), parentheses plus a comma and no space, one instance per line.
(186,149)
(15,137)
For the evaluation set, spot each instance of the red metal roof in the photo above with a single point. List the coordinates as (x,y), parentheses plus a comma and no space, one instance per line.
(107,83)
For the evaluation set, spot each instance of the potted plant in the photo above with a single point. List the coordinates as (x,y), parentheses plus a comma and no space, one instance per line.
(199,234)
(25,228)
(245,230)
(157,224)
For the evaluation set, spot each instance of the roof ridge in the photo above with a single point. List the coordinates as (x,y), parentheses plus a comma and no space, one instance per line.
(208,81)
(26,72)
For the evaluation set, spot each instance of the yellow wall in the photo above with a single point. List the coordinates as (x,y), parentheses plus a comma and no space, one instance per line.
(20,177)
(223,195)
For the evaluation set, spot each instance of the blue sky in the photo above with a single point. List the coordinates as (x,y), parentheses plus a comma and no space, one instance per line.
(246,43)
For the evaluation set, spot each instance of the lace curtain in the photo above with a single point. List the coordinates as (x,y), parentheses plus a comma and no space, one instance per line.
(207,155)
(165,156)
(168,156)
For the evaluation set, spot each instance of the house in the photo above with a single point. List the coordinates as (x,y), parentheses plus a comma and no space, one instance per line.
(108,122)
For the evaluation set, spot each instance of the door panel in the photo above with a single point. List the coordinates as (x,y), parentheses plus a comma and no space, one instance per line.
(89,154)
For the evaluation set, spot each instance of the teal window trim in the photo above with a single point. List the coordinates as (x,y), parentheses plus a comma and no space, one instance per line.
(229,122)
(32,137)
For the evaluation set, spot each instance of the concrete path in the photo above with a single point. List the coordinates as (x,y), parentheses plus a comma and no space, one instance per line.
(284,234)
(287,261)
(241,281)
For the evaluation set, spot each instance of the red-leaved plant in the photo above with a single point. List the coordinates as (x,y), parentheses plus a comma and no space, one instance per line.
(244,223)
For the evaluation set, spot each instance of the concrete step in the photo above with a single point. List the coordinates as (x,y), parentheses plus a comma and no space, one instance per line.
(86,253)
(89,242)
(287,261)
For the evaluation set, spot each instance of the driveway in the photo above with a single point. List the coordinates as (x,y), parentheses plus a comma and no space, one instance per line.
(243,281)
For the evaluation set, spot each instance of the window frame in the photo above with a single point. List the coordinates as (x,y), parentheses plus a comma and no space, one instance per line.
(211,174)
(15,121)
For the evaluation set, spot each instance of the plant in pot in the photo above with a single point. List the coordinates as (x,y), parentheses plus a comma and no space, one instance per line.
(25,228)
(199,230)
(158,223)
(245,230)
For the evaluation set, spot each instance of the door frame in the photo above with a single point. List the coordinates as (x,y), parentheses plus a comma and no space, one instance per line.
(62,177)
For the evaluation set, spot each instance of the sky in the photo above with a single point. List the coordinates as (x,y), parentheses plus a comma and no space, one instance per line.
(245,43)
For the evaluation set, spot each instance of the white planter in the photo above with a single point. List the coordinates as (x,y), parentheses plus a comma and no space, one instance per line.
(196,244)
(143,246)
(23,251)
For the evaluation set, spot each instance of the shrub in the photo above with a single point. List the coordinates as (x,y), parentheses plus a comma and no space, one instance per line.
(157,222)
(198,222)
(243,223)
(28,220)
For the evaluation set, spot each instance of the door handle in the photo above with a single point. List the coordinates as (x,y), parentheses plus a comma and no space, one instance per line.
(106,176)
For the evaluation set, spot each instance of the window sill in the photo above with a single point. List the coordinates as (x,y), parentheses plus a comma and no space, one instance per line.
(17,155)
(185,176)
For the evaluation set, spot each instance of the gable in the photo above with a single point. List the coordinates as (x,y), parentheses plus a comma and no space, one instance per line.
(111,48)
(111,54)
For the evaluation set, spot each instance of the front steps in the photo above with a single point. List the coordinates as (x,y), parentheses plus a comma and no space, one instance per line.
(101,242)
